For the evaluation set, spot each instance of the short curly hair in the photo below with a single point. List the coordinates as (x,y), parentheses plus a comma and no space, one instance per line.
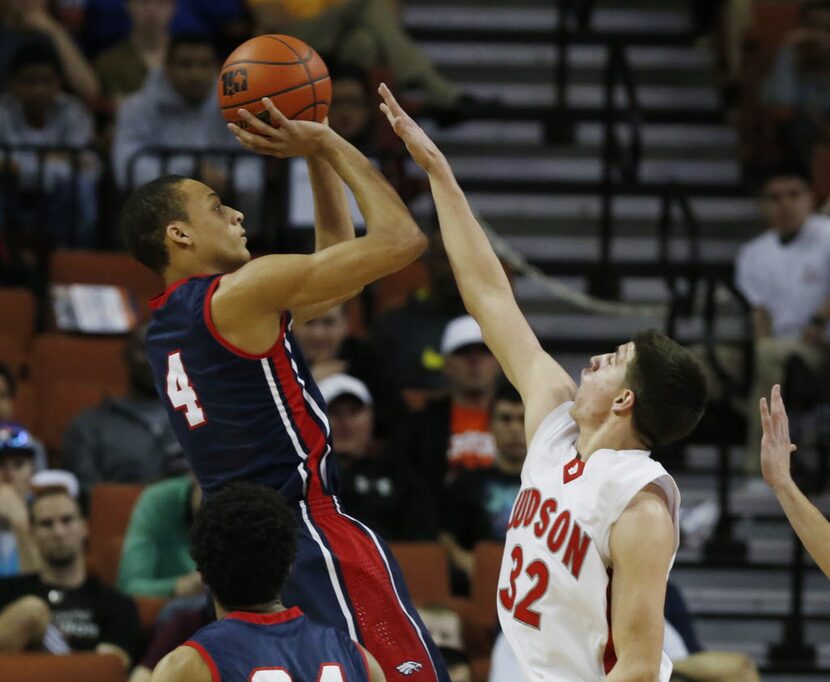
(243,541)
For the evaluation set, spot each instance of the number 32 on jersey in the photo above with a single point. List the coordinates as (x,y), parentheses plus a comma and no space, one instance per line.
(181,393)
(538,572)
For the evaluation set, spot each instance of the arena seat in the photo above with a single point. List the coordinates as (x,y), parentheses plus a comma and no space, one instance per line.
(425,569)
(102,267)
(110,506)
(148,611)
(17,326)
(480,625)
(70,374)
(86,667)
(25,406)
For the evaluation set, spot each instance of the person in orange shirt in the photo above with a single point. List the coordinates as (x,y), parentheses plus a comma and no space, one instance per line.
(452,433)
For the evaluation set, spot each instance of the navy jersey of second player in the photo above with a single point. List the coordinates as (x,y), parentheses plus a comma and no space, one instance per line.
(237,416)
(241,644)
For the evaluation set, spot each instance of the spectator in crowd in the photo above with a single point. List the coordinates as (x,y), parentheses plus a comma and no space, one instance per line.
(8,393)
(35,112)
(361,33)
(61,608)
(379,490)
(123,68)
(18,553)
(477,503)
(176,110)
(127,439)
(408,340)
(155,561)
(798,86)
(21,22)
(785,275)
(453,433)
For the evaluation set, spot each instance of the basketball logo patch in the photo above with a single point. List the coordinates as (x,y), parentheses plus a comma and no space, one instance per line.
(234,82)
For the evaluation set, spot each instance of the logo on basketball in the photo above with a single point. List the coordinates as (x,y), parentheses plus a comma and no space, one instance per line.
(234,82)
(409,668)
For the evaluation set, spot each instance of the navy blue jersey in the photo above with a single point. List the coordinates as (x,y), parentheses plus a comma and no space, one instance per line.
(245,647)
(238,416)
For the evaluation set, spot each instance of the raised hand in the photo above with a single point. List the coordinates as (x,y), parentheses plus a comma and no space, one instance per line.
(420,147)
(283,138)
(776,447)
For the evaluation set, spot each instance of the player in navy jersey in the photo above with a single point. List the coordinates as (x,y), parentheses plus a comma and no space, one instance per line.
(239,394)
(243,541)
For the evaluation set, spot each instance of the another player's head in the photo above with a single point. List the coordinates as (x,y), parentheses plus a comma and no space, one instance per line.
(787,198)
(652,385)
(179,223)
(243,541)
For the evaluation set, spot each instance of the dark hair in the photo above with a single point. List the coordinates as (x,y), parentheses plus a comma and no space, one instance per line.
(7,374)
(52,491)
(505,392)
(783,169)
(189,38)
(243,541)
(145,216)
(670,389)
(34,53)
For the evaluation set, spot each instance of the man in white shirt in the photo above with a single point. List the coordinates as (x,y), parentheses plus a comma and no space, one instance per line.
(594,529)
(785,275)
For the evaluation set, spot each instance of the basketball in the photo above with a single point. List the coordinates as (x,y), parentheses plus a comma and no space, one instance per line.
(283,68)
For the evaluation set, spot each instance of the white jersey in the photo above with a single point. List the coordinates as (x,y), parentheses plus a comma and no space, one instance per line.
(554,596)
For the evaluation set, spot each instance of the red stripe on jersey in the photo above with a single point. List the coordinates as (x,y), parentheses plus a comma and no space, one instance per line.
(381,622)
(158,301)
(208,317)
(310,432)
(609,658)
(206,657)
(266,618)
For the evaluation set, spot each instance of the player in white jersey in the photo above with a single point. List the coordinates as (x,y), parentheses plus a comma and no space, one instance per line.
(594,531)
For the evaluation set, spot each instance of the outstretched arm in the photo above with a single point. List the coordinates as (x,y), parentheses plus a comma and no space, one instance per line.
(486,291)
(807,521)
(271,284)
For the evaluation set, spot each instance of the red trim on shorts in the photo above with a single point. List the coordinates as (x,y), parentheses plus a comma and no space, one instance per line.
(206,657)
(266,618)
(358,558)
(609,657)
(159,300)
(214,285)
(311,434)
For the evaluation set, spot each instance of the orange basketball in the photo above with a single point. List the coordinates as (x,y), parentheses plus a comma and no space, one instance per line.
(283,68)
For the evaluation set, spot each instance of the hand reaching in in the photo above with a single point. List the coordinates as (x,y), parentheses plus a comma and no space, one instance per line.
(776,447)
(420,147)
(283,138)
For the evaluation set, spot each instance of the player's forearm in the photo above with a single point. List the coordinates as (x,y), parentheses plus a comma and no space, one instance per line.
(477,269)
(332,217)
(387,217)
(808,523)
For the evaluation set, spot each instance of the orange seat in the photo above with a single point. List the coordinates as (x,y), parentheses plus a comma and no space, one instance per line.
(425,569)
(70,374)
(17,326)
(25,406)
(102,267)
(110,506)
(148,611)
(84,667)
(481,615)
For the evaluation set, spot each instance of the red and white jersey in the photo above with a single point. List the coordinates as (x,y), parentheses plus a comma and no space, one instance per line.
(554,596)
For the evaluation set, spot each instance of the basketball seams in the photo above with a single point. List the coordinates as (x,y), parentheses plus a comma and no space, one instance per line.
(308,74)
(236,105)
(260,61)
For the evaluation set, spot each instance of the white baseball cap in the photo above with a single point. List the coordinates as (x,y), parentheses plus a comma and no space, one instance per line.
(56,478)
(338,385)
(460,332)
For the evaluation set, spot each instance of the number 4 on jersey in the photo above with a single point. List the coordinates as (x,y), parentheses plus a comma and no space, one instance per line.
(181,393)
(329,672)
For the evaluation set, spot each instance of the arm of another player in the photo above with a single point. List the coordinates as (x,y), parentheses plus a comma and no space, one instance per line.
(807,521)
(642,546)
(183,664)
(482,282)
(375,671)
